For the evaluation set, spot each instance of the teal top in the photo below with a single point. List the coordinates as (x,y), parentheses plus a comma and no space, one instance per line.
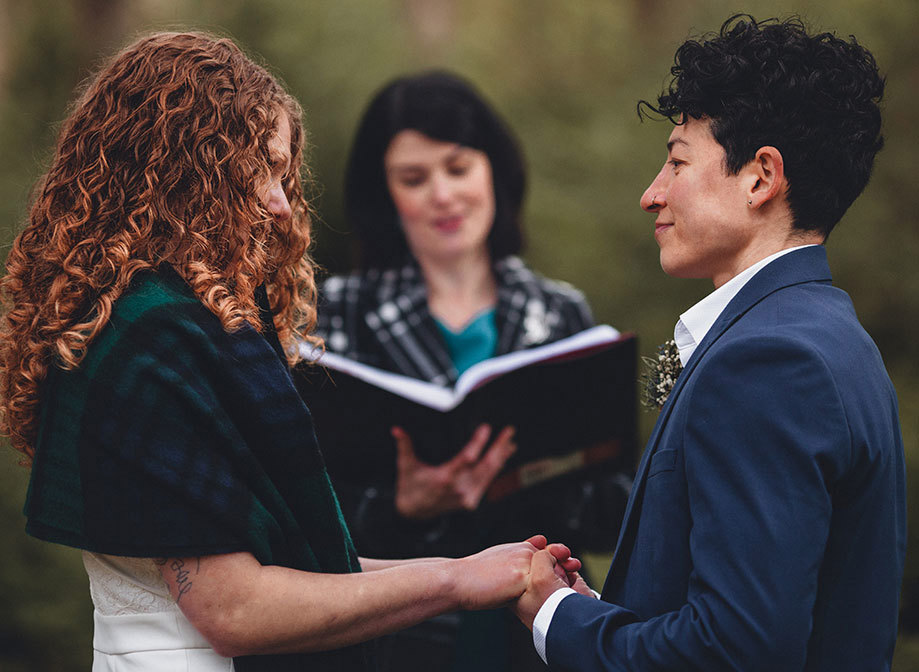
(477,341)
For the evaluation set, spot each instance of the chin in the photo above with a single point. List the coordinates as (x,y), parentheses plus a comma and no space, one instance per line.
(679,271)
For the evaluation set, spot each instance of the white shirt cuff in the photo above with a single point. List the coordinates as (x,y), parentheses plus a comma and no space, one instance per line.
(544,619)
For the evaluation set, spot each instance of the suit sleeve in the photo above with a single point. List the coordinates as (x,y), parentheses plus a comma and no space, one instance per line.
(765,437)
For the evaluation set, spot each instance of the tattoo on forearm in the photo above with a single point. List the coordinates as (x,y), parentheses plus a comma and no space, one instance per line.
(182,573)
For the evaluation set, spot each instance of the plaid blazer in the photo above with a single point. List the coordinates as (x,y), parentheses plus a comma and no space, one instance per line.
(381,318)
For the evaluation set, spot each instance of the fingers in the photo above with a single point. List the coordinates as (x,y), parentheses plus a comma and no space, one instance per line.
(571,565)
(543,566)
(493,461)
(579,585)
(459,483)
(560,551)
(405,451)
(563,555)
(538,540)
(475,478)
(560,572)
(471,451)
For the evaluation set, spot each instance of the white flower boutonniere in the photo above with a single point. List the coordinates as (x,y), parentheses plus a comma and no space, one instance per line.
(660,374)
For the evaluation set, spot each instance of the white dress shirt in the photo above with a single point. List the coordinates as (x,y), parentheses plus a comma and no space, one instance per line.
(691,328)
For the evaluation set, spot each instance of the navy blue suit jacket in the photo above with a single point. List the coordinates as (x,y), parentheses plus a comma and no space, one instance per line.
(766,528)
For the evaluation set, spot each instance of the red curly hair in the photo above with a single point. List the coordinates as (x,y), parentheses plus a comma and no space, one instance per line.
(158,163)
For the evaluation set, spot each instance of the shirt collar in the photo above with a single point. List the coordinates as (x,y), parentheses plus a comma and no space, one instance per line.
(694,324)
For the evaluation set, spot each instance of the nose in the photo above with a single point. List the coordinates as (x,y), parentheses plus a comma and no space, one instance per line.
(655,196)
(441,189)
(278,205)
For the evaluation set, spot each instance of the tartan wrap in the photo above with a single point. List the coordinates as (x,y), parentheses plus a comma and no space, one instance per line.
(176,438)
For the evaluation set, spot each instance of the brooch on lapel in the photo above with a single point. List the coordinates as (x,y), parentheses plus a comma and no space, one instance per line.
(535,323)
(660,375)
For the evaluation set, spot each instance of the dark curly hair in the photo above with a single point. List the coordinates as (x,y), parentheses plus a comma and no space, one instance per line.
(157,164)
(813,97)
(444,107)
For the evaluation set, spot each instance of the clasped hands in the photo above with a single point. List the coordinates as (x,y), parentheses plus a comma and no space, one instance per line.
(551,567)
(523,574)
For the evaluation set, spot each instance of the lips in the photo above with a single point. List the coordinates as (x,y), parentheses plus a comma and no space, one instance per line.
(448,224)
(660,228)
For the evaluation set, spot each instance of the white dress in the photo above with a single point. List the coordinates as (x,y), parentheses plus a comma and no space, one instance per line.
(138,626)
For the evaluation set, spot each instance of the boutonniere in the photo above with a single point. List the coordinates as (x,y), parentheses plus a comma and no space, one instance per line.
(660,375)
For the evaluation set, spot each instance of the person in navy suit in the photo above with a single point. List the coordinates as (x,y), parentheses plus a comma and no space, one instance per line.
(766,528)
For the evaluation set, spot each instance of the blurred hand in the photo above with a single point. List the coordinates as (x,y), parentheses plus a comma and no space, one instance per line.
(550,570)
(495,576)
(425,491)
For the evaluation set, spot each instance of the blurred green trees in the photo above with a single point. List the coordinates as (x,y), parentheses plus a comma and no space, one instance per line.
(567,77)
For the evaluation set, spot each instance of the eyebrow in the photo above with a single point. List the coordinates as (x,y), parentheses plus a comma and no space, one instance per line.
(675,141)
(456,152)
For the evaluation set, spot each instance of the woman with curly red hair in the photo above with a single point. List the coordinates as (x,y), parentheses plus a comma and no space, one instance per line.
(152,305)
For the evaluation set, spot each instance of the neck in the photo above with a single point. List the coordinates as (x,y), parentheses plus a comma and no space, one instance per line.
(459,289)
(765,246)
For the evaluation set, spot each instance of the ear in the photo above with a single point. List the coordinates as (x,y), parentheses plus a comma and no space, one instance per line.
(767,177)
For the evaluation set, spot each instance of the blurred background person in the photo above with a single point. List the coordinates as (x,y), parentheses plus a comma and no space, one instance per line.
(434,187)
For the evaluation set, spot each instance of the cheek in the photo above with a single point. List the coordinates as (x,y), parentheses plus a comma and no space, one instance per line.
(481,192)
(677,193)
(409,204)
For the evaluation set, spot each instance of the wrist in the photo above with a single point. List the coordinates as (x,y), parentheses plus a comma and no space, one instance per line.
(449,582)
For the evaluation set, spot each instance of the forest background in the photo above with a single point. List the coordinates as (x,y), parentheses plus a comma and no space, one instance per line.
(566,76)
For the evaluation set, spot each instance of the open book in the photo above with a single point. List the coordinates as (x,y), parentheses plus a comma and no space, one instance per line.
(572,403)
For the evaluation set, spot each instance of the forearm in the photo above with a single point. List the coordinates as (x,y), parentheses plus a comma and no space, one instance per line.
(374,564)
(242,607)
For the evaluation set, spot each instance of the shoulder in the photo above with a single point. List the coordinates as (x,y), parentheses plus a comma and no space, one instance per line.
(156,308)
(151,292)
(513,272)
(562,304)
(782,368)
(159,322)
(345,301)
(366,287)
(812,317)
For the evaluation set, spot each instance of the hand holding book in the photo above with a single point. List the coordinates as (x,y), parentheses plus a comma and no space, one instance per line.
(424,491)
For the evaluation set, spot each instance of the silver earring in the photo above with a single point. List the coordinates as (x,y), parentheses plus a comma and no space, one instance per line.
(750,202)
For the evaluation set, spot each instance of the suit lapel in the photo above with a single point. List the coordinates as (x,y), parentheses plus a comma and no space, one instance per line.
(806,265)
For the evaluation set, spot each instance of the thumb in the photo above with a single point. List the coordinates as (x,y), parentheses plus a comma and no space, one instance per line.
(405,451)
(543,569)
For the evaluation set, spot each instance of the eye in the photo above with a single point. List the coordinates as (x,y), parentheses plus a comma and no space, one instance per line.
(411,180)
(458,169)
(675,163)
(279,167)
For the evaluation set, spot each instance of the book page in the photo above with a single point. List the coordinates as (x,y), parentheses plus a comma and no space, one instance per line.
(419,391)
(479,374)
(445,398)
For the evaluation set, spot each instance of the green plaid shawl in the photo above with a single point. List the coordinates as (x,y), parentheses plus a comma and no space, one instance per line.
(175,438)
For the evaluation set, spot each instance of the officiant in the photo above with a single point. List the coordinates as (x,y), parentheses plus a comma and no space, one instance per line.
(434,190)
